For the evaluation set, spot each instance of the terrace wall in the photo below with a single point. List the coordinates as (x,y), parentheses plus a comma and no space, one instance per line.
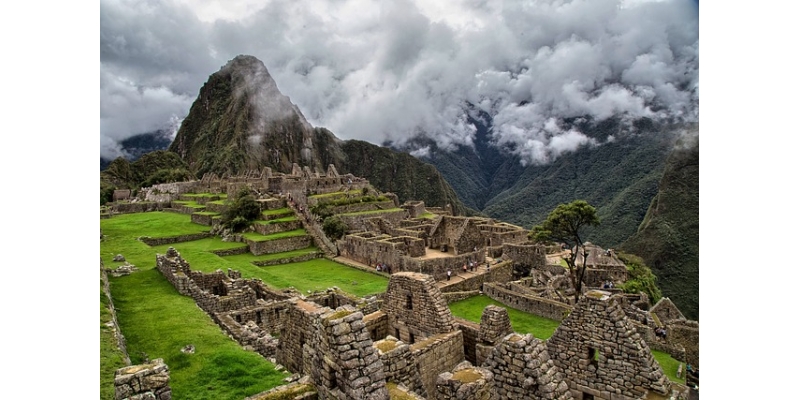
(276,227)
(203,219)
(175,239)
(531,304)
(278,245)
(138,207)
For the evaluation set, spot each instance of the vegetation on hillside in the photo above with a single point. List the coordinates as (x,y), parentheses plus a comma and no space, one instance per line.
(640,277)
(668,238)
(150,169)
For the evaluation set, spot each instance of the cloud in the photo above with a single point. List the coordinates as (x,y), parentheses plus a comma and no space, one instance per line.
(388,71)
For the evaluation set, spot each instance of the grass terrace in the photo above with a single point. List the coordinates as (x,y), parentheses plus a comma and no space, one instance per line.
(189,203)
(277,212)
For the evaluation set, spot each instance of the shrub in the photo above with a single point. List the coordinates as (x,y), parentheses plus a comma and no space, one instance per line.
(334,227)
(640,277)
(241,212)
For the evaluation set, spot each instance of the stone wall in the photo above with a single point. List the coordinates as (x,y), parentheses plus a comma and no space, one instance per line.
(415,307)
(523,369)
(275,227)
(526,254)
(470,333)
(175,239)
(297,330)
(212,292)
(143,382)
(466,383)
(249,334)
(415,208)
(357,222)
(502,272)
(452,297)
(377,324)
(602,355)
(340,357)
(137,207)
(278,245)
(232,252)
(437,354)
(399,365)
(204,219)
(287,260)
(524,302)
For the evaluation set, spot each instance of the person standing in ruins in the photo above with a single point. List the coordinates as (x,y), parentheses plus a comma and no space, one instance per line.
(449,272)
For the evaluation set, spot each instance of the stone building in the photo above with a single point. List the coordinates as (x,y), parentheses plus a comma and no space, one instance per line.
(602,355)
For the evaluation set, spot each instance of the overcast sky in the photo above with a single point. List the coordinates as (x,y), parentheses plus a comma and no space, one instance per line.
(387,70)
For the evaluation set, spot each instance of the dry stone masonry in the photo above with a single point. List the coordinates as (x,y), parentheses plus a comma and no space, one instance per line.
(148,381)
(601,353)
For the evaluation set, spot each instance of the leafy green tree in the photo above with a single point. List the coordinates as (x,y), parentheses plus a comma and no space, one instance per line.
(334,227)
(640,277)
(567,224)
(242,211)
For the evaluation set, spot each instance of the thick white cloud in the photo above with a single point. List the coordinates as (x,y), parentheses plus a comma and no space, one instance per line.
(378,71)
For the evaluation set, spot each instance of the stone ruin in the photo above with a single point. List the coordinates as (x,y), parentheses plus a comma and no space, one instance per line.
(602,355)
(149,381)
(412,344)
(347,347)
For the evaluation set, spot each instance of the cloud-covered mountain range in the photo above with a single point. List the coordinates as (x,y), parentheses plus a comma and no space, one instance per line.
(391,71)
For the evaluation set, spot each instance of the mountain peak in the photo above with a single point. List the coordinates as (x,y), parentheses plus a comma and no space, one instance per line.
(251,80)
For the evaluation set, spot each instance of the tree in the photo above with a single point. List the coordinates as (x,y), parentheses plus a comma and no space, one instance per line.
(242,211)
(334,227)
(566,224)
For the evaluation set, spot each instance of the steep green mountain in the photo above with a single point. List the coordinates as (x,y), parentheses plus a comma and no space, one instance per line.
(669,236)
(241,121)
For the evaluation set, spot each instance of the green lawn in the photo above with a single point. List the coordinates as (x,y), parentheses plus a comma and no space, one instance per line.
(320,274)
(157,321)
(471,309)
(669,365)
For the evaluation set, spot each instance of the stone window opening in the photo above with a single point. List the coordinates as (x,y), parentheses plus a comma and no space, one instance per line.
(258,318)
(411,337)
(594,356)
(409,305)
